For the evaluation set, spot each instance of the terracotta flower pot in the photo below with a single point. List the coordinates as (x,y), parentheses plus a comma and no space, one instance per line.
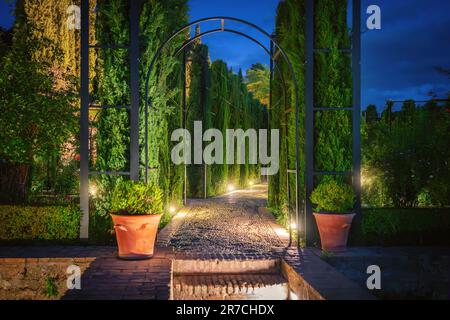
(333,230)
(136,235)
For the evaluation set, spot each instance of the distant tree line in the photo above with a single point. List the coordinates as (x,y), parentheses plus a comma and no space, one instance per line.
(220,99)
(406,155)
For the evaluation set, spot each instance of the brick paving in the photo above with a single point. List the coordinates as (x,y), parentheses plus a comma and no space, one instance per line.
(226,235)
(24,269)
(114,279)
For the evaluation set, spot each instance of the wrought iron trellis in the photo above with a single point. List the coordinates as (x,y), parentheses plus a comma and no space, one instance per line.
(312,108)
(273,44)
(133,109)
(86,105)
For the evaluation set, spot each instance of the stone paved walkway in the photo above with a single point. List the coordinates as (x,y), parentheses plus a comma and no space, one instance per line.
(229,224)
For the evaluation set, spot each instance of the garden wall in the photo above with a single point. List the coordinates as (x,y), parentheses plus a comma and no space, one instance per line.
(36,278)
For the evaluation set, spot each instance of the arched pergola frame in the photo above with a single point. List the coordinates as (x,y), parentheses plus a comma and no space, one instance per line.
(86,104)
(273,44)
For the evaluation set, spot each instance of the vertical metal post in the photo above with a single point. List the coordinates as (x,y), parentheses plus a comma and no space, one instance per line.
(309,115)
(84,122)
(289,203)
(356,70)
(184,127)
(297,212)
(269,109)
(134,88)
(205,191)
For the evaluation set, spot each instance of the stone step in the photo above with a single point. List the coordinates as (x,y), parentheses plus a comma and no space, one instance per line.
(270,286)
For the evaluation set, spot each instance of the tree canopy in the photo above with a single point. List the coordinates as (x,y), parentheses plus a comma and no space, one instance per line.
(258,82)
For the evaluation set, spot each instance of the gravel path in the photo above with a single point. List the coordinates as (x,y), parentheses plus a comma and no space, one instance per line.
(227,224)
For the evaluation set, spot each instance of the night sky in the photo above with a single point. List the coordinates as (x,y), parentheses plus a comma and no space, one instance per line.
(398,61)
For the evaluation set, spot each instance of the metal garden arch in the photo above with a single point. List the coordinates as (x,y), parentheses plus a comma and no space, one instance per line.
(310,107)
(273,43)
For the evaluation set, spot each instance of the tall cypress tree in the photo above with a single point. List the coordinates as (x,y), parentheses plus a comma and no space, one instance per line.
(235,122)
(61,48)
(112,89)
(158,20)
(332,88)
(219,115)
(290,16)
(57,49)
(197,106)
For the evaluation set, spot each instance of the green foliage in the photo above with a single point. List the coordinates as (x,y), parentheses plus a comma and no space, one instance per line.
(405,226)
(157,20)
(333,196)
(332,88)
(220,98)
(39,222)
(32,123)
(258,82)
(5,41)
(198,102)
(42,30)
(50,287)
(67,179)
(374,191)
(406,157)
(280,216)
(131,198)
(290,16)
(112,88)
(218,117)
(370,114)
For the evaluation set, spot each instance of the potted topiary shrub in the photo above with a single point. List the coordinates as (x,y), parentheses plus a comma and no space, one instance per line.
(136,209)
(333,199)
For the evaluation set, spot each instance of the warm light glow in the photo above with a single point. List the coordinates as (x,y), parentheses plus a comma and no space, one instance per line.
(172,209)
(293,225)
(93,190)
(230,187)
(367,178)
(282,232)
(180,215)
(251,183)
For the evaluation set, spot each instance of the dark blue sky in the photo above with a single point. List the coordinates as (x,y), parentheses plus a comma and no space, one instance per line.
(398,61)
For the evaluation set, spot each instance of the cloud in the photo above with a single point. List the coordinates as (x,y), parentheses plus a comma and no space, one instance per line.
(399,60)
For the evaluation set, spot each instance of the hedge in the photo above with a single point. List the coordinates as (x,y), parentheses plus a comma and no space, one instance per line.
(406,226)
(27,222)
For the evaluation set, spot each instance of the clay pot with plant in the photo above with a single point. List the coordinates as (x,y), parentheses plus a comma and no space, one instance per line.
(136,210)
(333,201)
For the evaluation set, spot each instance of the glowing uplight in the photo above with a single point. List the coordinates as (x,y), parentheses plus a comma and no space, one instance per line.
(293,225)
(230,187)
(251,182)
(172,209)
(282,232)
(180,215)
(93,190)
